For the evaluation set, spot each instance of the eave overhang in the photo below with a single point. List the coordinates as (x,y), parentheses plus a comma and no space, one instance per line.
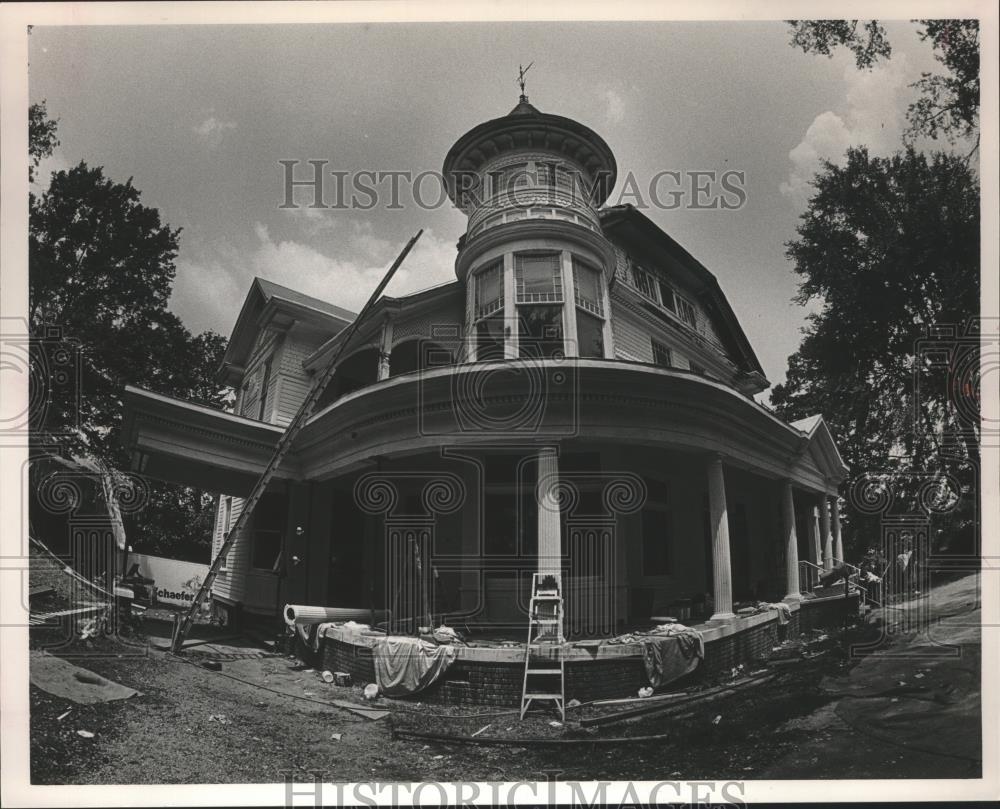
(173,440)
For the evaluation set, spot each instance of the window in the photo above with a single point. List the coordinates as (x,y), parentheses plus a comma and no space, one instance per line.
(540,331)
(686,310)
(657,530)
(697,369)
(661,354)
(266,381)
(489,312)
(538,277)
(268,528)
(489,289)
(590,335)
(587,287)
(645,283)
(227,524)
(667,296)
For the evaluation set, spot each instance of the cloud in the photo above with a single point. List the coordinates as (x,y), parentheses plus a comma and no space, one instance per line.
(873,116)
(614,106)
(210,288)
(213,130)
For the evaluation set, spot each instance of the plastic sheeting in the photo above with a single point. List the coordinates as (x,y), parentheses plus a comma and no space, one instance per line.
(409,665)
(675,650)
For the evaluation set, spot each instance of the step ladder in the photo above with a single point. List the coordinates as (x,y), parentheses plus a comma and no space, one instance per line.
(544,665)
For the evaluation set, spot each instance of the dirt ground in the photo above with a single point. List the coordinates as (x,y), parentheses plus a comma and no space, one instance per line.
(277,722)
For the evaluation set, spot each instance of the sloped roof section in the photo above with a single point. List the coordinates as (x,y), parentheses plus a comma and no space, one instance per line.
(273,290)
(266,294)
(825,449)
(633,230)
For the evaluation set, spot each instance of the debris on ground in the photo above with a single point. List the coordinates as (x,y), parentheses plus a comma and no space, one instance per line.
(717,719)
(220,718)
(64,715)
(371,691)
(336,736)
(646,692)
(85,733)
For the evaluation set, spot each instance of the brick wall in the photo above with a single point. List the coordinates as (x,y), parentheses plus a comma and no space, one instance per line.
(499,684)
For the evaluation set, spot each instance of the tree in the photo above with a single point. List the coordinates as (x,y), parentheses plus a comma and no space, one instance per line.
(948,104)
(101,268)
(42,139)
(890,246)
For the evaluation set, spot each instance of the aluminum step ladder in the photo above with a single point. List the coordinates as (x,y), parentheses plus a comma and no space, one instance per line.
(544,665)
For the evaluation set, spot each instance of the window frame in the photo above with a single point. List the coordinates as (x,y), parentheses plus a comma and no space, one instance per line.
(556,297)
(661,347)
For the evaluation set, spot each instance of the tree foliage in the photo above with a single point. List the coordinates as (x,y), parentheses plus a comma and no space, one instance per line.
(42,139)
(948,104)
(890,247)
(101,268)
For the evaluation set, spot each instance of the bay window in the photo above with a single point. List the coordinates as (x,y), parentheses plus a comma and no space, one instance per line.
(539,298)
(589,297)
(489,312)
(552,294)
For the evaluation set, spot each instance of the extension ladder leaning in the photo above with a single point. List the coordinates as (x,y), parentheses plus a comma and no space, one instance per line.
(544,666)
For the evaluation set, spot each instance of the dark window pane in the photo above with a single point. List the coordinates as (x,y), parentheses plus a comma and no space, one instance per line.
(538,277)
(656,541)
(541,331)
(661,354)
(590,333)
(489,338)
(667,296)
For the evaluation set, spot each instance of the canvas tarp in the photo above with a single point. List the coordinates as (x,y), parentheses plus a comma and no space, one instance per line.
(408,665)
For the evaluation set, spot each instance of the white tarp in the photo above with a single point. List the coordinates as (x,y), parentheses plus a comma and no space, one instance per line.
(177,582)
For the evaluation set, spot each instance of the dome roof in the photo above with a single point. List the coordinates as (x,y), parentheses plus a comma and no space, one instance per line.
(525,127)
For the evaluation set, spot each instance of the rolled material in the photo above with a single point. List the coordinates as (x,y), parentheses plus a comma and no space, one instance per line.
(301,615)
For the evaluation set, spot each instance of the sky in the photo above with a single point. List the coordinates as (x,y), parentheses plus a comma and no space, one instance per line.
(200,116)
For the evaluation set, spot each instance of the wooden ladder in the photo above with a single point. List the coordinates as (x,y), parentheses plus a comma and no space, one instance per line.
(543,654)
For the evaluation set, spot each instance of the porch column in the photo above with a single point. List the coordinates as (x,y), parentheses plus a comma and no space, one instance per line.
(817,545)
(549,527)
(722,575)
(824,523)
(791,543)
(838,548)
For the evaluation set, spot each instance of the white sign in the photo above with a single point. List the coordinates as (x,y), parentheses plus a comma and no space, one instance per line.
(177,582)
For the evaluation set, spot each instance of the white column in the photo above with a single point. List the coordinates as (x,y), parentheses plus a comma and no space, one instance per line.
(385,349)
(511,325)
(817,546)
(571,344)
(794,592)
(721,568)
(609,335)
(549,518)
(824,524)
(837,540)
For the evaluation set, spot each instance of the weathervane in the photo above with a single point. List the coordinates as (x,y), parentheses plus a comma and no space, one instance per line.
(520,78)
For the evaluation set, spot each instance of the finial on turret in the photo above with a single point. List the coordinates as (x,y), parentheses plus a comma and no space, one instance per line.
(520,79)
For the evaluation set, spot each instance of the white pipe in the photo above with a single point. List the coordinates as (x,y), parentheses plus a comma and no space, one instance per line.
(296,614)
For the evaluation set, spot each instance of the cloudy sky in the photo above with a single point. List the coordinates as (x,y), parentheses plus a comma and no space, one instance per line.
(200,117)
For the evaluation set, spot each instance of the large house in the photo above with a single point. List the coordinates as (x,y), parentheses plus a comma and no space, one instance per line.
(579,399)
